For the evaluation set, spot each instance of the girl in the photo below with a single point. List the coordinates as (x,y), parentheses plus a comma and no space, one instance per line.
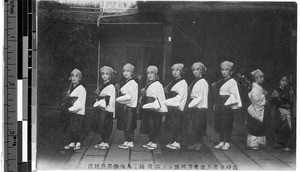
(177,96)
(129,99)
(153,107)
(197,107)
(77,110)
(281,99)
(255,119)
(105,107)
(227,98)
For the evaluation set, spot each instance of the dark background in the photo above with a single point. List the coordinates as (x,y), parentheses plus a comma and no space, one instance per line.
(251,39)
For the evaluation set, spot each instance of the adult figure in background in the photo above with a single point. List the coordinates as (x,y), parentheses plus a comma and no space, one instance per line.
(281,101)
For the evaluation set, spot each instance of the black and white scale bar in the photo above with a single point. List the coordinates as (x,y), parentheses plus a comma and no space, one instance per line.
(22,90)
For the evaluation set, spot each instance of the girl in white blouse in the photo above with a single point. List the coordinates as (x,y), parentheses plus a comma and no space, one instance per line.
(77,110)
(177,96)
(227,98)
(197,107)
(129,99)
(153,108)
(104,107)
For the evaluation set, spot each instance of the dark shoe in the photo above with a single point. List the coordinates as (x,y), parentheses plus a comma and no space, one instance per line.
(198,147)
(191,147)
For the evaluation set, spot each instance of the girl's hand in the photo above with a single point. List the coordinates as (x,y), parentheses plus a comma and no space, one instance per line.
(213,85)
(165,90)
(117,86)
(291,92)
(97,91)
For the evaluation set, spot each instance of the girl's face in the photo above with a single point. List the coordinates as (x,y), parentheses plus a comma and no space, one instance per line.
(105,76)
(176,73)
(127,73)
(151,75)
(75,78)
(197,72)
(225,72)
(283,82)
(260,79)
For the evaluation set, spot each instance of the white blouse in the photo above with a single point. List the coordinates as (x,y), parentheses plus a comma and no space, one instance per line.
(130,97)
(199,94)
(156,90)
(230,89)
(79,105)
(258,100)
(179,100)
(109,91)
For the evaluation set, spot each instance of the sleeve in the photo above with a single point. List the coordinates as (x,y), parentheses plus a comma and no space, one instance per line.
(108,97)
(156,104)
(125,98)
(80,102)
(112,94)
(175,101)
(234,97)
(203,90)
(257,98)
(100,103)
(105,97)
(273,99)
(133,91)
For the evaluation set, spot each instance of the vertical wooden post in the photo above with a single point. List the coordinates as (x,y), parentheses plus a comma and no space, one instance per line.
(167,49)
(98,66)
(98,30)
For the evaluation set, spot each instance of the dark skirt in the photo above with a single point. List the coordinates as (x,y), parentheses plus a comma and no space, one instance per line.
(281,128)
(196,122)
(151,121)
(169,121)
(127,119)
(64,120)
(223,119)
(75,127)
(103,122)
(174,122)
(75,122)
(255,127)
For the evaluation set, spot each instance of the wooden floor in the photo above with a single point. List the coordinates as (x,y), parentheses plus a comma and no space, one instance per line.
(237,157)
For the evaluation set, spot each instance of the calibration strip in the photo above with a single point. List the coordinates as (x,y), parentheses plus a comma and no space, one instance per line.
(19,50)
